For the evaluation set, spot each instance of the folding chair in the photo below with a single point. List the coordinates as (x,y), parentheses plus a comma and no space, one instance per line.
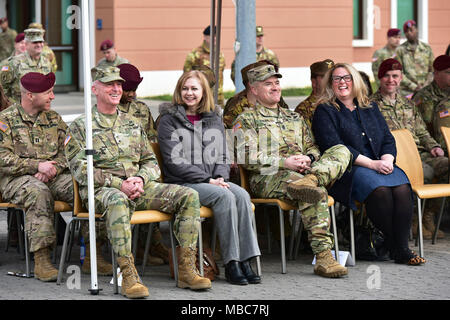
(138,217)
(408,159)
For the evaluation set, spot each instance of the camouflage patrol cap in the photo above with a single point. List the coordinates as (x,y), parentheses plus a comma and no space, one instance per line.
(106,75)
(259,31)
(34,35)
(262,73)
(208,72)
(319,68)
(35,25)
(254,65)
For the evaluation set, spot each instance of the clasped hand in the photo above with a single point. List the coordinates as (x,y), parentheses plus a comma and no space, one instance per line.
(220,182)
(133,187)
(299,163)
(46,171)
(383,166)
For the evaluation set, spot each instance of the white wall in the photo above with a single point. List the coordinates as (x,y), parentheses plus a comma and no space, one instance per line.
(2,8)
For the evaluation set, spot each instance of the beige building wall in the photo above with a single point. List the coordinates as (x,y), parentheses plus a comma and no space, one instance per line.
(156,35)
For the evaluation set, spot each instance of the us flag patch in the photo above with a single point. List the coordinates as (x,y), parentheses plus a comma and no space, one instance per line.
(3,126)
(67,140)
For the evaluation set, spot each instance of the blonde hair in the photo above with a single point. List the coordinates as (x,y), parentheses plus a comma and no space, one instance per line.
(359,90)
(206,103)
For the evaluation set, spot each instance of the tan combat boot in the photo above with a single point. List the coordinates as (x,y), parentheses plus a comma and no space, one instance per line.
(428,223)
(188,275)
(43,268)
(427,235)
(306,189)
(104,268)
(132,287)
(160,251)
(327,266)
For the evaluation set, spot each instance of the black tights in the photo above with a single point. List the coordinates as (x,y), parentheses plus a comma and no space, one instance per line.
(390,210)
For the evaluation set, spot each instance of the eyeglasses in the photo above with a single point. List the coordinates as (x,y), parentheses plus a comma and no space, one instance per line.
(346,78)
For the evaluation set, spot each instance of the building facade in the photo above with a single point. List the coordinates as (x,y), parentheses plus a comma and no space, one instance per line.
(156,35)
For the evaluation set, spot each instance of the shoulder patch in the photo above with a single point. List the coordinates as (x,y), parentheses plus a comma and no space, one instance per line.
(237,126)
(5,68)
(67,139)
(3,126)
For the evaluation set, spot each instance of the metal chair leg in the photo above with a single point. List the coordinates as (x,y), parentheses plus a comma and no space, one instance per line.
(114,266)
(64,250)
(420,235)
(258,258)
(336,245)
(174,253)
(200,250)
(147,247)
(292,237)
(19,231)
(439,221)
(282,240)
(298,239)
(352,237)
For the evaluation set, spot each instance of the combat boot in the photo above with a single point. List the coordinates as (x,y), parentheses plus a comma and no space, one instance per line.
(306,189)
(132,287)
(43,268)
(188,275)
(104,268)
(428,223)
(427,235)
(327,266)
(160,251)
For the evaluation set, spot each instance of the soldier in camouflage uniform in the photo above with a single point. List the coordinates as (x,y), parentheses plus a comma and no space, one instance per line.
(262,53)
(30,61)
(306,108)
(433,101)
(284,163)
(401,113)
(417,60)
(33,169)
(111,59)
(126,176)
(200,56)
(7,37)
(388,51)
(46,50)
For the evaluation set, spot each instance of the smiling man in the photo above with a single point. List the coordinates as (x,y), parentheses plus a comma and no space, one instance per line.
(401,113)
(32,60)
(33,168)
(284,163)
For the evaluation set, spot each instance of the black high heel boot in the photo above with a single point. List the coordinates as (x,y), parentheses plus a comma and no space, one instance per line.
(251,276)
(233,273)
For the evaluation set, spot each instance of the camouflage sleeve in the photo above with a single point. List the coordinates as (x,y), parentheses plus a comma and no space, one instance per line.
(61,162)
(7,78)
(426,109)
(308,140)
(233,66)
(421,131)
(230,112)
(248,150)
(148,164)
(10,163)
(407,81)
(189,62)
(74,147)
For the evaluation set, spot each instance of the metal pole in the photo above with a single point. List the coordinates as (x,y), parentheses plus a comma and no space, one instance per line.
(212,34)
(246,37)
(89,148)
(217,51)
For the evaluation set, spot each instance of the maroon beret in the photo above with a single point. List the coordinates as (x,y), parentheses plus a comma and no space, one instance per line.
(393,32)
(408,24)
(4,19)
(388,65)
(441,63)
(105,45)
(36,82)
(20,37)
(131,76)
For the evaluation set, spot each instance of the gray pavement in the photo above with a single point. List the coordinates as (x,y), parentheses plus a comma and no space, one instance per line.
(366,281)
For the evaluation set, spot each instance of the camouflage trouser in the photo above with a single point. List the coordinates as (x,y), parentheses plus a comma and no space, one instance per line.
(38,199)
(315,217)
(434,167)
(173,199)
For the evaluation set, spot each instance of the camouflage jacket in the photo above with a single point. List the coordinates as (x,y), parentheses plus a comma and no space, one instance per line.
(264,54)
(103,63)
(26,141)
(200,56)
(238,104)
(140,111)
(50,55)
(417,66)
(378,57)
(7,41)
(434,105)
(306,109)
(404,115)
(266,137)
(122,150)
(17,67)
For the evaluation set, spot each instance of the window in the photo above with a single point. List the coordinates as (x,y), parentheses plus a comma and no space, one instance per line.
(406,10)
(417,10)
(363,18)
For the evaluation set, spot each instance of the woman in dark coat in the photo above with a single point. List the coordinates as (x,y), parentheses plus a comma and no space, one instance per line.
(345,116)
(193,146)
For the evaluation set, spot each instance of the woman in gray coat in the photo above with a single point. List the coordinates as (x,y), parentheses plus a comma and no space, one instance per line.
(193,146)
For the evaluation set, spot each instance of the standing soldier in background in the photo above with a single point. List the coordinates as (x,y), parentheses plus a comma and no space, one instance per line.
(19,47)
(200,56)
(262,53)
(433,101)
(33,168)
(31,60)
(307,107)
(46,51)
(416,58)
(401,113)
(388,51)
(7,37)
(111,59)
